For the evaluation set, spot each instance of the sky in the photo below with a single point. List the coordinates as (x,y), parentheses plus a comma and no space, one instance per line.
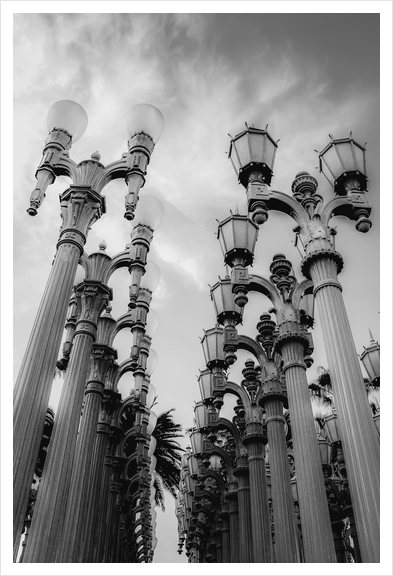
(306,75)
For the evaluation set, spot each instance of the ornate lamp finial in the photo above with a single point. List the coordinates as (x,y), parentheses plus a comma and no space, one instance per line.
(96,156)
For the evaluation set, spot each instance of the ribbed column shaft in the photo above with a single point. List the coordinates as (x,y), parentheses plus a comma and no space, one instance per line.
(225,537)
(219,549)
(34,383)
(358,432)
(111,523)
(244,507)
(98,496)
(77,504)
(233,527)
(52,496)
(314,512)
(286,546)
(260,522)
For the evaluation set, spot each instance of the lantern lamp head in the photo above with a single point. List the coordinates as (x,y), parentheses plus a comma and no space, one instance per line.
(343,163)
(252,153)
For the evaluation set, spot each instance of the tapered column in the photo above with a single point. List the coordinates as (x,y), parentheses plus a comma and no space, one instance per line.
(233,522)
(101,471)
(52,498)
(112,514)
(80,208)
(314,512)
(243,497)
(286,546)
(218,540)
(358,432)
(225,537)
(70,549)
(255,441)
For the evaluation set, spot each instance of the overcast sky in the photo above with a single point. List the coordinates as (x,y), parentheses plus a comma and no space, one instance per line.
(306,75)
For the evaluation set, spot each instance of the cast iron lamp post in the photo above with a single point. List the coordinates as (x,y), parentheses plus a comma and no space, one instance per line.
(81,205)
(343,162)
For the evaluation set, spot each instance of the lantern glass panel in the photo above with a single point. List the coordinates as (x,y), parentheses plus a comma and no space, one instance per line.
(193,465)
(201,415)
(324,451)
(226,235)
(270,156)
(217,295)
(344,149)
(196,442)
(334,167)
(188,483)
(331,428)
(371,361)
(206,384)
(258,146)
(360,158)
(242,146)
(212,345)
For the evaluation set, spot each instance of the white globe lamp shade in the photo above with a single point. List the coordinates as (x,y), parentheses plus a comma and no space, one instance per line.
(149,211)
(151,277)
(152,360)
(145,118)
(152,422)
(68,115)
(152,322)
(152,447)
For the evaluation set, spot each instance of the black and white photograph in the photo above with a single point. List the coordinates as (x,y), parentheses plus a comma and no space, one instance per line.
(200,246)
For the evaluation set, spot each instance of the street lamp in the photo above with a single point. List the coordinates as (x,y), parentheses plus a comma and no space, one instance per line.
(343,163)
(252,153)
(370,359)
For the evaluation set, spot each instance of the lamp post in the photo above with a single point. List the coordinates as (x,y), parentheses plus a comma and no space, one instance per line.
(81,205)
(343,161)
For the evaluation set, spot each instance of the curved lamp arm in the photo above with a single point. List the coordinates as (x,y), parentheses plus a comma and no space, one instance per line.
(250,345)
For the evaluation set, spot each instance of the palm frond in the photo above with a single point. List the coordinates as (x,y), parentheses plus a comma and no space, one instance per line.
(159,498)
(168,451)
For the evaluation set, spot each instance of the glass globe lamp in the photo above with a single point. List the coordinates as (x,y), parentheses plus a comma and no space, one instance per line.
(149,211)
(68,115)
(147,119)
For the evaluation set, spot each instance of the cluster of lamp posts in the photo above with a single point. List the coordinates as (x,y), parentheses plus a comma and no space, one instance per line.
(311,497)
(95,497)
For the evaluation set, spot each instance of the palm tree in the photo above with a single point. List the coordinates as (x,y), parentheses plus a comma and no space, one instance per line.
(168,454)
(322,397)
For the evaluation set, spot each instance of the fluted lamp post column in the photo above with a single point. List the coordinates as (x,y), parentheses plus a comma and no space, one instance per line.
(52,501)
(255,440)
(81,205)
(273,399)
(74,531)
